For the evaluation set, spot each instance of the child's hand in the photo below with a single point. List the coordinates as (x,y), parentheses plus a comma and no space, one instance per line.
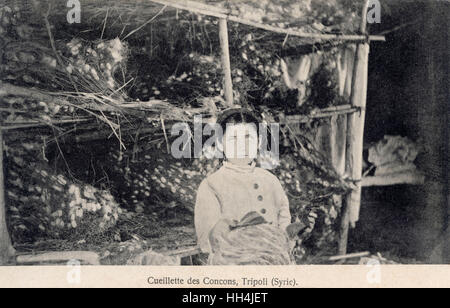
(222,227)
(220,230)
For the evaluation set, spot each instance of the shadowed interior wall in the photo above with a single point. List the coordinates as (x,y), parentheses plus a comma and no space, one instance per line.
(408,96)
(432,114)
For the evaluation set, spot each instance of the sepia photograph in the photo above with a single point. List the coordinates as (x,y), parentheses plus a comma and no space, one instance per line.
(200,133)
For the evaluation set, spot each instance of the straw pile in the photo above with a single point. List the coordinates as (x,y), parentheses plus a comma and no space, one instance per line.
(251,242)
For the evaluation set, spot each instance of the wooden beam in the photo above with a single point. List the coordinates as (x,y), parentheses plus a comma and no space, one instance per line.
(6,249)
(84,257)
(35,94)
(209,10)
(35,124)
(355,134)
(226,65)
(296,119)
(349,256)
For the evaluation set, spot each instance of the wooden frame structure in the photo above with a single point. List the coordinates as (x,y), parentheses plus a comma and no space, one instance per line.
(355,111)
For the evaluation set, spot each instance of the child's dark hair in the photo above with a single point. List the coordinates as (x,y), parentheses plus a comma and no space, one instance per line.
(246,116)
(237,116)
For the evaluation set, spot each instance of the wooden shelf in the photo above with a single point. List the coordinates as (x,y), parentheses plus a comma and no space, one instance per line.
(408,178)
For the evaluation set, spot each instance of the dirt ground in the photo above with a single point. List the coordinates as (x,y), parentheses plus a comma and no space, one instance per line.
(387,223)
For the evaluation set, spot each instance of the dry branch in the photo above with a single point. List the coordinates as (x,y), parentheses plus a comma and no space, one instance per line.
(186,252)
(146,23)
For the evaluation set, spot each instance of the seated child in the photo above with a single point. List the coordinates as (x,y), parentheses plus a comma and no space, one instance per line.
(238,187)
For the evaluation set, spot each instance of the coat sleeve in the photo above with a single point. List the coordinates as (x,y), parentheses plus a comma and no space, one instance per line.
(284,213)
(206,214)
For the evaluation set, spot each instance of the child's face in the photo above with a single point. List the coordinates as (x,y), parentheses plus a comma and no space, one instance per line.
(240,143)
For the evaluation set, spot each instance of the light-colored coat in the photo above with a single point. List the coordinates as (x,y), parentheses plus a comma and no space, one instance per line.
(232,192)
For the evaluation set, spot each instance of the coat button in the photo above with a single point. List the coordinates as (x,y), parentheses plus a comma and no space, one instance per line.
(260,198)
(256,186)
(263,211)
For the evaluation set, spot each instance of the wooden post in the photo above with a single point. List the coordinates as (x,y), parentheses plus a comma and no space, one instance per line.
(226,66)
(6,249)
(355,134)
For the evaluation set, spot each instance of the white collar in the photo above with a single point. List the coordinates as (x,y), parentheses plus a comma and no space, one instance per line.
(242,169)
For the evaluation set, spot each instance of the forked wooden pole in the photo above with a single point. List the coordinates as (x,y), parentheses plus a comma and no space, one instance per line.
(226,66)
(355,134)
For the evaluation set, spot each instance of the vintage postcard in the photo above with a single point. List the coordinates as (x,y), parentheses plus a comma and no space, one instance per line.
(224,144)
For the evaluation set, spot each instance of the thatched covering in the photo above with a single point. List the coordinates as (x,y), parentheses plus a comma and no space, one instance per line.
(122,77)
(319,16)
(135,23)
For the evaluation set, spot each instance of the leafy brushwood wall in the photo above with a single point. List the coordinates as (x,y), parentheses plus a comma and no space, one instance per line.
(180,47)
(48,203)
(307,15)
(43,203)
(171,59)
(151,182)
(183,65)
(84,73)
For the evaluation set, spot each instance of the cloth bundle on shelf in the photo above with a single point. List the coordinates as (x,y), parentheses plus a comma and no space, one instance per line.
(393,155)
